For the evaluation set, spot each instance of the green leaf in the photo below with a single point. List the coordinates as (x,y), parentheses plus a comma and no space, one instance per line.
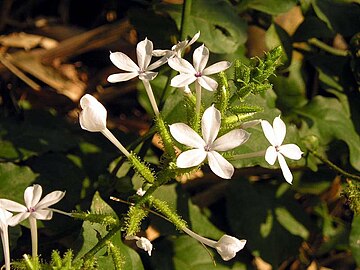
(180,202)
(355,239)
(222,30)
(89,238)
(37,133)
(312,27)
(272,7)
(277,36)
(14,180)
(255,212)
(342,17)
(329,121)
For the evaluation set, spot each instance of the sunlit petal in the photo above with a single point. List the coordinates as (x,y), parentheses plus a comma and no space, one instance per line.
(121,77)
(12,206)
(271,155)
(285,169)
(219,165)
(268,132)
(181,65)
(123,62)
(210,124)
(230,140)
(195,38)
(182,80)
(190,158)
(279,130)
(43,214)
(200,58)
(208,83)
(16,219)
(148,75)
(32,195)
(144,53)
(186,135)
(228,246)
(93,116)
(216,68)
(291,151)
(50,199)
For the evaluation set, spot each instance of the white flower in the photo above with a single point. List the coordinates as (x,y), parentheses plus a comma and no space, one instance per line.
(142,243)
(208,146)
(4,222)
(228,246)
(140,192)
(34,207)
(143,69)
(198,72)
(275,135)
(93,114)
(176,50)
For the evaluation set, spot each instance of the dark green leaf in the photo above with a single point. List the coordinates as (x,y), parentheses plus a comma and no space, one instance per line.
(272,7)
(355,239)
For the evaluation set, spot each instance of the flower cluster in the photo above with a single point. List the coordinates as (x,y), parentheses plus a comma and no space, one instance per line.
(34,209)
(208,138)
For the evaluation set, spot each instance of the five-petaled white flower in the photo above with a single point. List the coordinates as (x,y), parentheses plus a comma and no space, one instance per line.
(143,69)
(198,72)
(5,216)
(93,115)
(275,135)
(142,243)
(176,50)
(34,207)
(228,246)
(208,146)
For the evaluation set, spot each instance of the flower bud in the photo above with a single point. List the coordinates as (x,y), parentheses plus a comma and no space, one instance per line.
(228,246)
(93,115)
(142,243)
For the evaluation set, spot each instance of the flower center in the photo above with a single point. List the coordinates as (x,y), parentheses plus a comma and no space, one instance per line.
(277,148)
(31,209)
(207,148)
(198,74)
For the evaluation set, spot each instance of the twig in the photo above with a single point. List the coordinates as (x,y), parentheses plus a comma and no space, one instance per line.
(327,48)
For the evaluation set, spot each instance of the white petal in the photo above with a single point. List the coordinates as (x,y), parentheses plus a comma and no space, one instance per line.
(285,169)
(12,206)
(159,53)
(268,132)
(279,130)
(93,116)
(228,246)
(144,53)
(186,135)
(181,65)
(208,83)
(50,199)
(182,80)
(43,214)
(32,195)
(271,155)
(195,38)
(216,68)
(219,165)
(144,244)
(210,124)
(191,158)
(4,216)
(230,140)
(122,77)
(200,58)
(148,75)
(159,62)
(123,62)
(15,220)
(291,151)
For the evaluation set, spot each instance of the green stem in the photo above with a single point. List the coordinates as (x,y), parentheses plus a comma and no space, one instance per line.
(196,124)
(34,236)
(327,48)
(92,252)
(185,14)
(334,167)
